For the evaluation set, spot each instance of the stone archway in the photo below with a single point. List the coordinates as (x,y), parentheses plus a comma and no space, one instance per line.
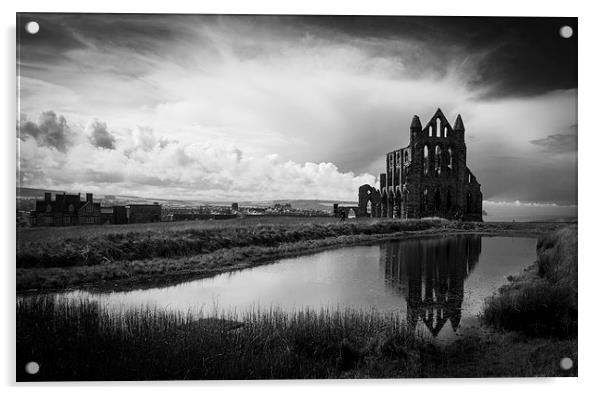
(368,194)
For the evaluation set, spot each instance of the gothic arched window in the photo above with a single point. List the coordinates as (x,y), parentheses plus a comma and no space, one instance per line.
(438,160)
(450,158)
(426,160)
(438,127)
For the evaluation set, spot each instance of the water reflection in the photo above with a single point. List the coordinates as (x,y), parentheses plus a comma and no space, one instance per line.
(430,276)
(439,283)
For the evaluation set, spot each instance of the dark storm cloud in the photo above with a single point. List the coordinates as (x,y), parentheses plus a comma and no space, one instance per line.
(559,143)
(50,131)
(100,137)
(508,56)
(54,39)
(513,56)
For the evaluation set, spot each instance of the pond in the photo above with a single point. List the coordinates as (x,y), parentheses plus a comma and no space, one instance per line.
(438,283)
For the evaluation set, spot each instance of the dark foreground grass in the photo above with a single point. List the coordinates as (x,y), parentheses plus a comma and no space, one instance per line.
(543,301)
(80,341)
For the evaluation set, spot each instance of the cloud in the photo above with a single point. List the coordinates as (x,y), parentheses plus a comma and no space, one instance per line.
(50,131)
(99,136)
(559,143)
(142,163)
(201,107)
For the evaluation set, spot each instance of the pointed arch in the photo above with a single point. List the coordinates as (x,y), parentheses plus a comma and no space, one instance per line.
(438,122)
(450,158)
(426,160)
(438,160)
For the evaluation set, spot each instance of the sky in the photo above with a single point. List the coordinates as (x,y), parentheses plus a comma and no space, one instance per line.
(290,107)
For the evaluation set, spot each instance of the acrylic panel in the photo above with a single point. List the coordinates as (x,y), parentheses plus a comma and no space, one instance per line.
(231,197)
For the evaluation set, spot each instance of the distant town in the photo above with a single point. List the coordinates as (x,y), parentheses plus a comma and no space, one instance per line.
(37,207)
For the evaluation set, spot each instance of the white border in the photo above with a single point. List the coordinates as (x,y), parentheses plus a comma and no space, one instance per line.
(589,173)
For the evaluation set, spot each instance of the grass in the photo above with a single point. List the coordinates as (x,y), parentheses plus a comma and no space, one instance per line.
(96,249)
(161,253)
(80,341)
(543,301)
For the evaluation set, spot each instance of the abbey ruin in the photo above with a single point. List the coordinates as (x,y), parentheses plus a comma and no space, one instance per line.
(428,178)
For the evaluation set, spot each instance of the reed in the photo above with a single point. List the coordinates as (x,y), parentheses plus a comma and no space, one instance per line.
(79,341)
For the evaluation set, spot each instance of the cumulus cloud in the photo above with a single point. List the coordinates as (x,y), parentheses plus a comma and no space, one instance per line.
(141,162)
(99,135)
(50,131)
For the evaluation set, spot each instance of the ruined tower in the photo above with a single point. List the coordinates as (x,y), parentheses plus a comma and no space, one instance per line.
(429,177)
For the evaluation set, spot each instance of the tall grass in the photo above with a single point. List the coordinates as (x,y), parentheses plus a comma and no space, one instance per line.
(167,243)
(80,341)
(543,303)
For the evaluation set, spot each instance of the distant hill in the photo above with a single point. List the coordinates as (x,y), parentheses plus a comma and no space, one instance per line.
(308,204)
(302,204)
(34,192)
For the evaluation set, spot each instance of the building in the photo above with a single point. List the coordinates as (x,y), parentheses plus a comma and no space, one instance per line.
(120,215)
(65,210)
(428,178)
(113,215)
(141,213)
(235,207)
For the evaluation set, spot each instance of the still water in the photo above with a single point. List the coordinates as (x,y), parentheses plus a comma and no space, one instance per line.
(439,284)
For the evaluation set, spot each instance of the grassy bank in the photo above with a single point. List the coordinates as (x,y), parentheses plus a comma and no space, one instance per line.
(543,300)
(80,341)
(52,259)
(168,243)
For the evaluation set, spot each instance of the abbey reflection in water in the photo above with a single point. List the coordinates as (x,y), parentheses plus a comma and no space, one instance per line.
(430,274)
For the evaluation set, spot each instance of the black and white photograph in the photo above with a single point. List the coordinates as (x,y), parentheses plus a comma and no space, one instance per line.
(287,196)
